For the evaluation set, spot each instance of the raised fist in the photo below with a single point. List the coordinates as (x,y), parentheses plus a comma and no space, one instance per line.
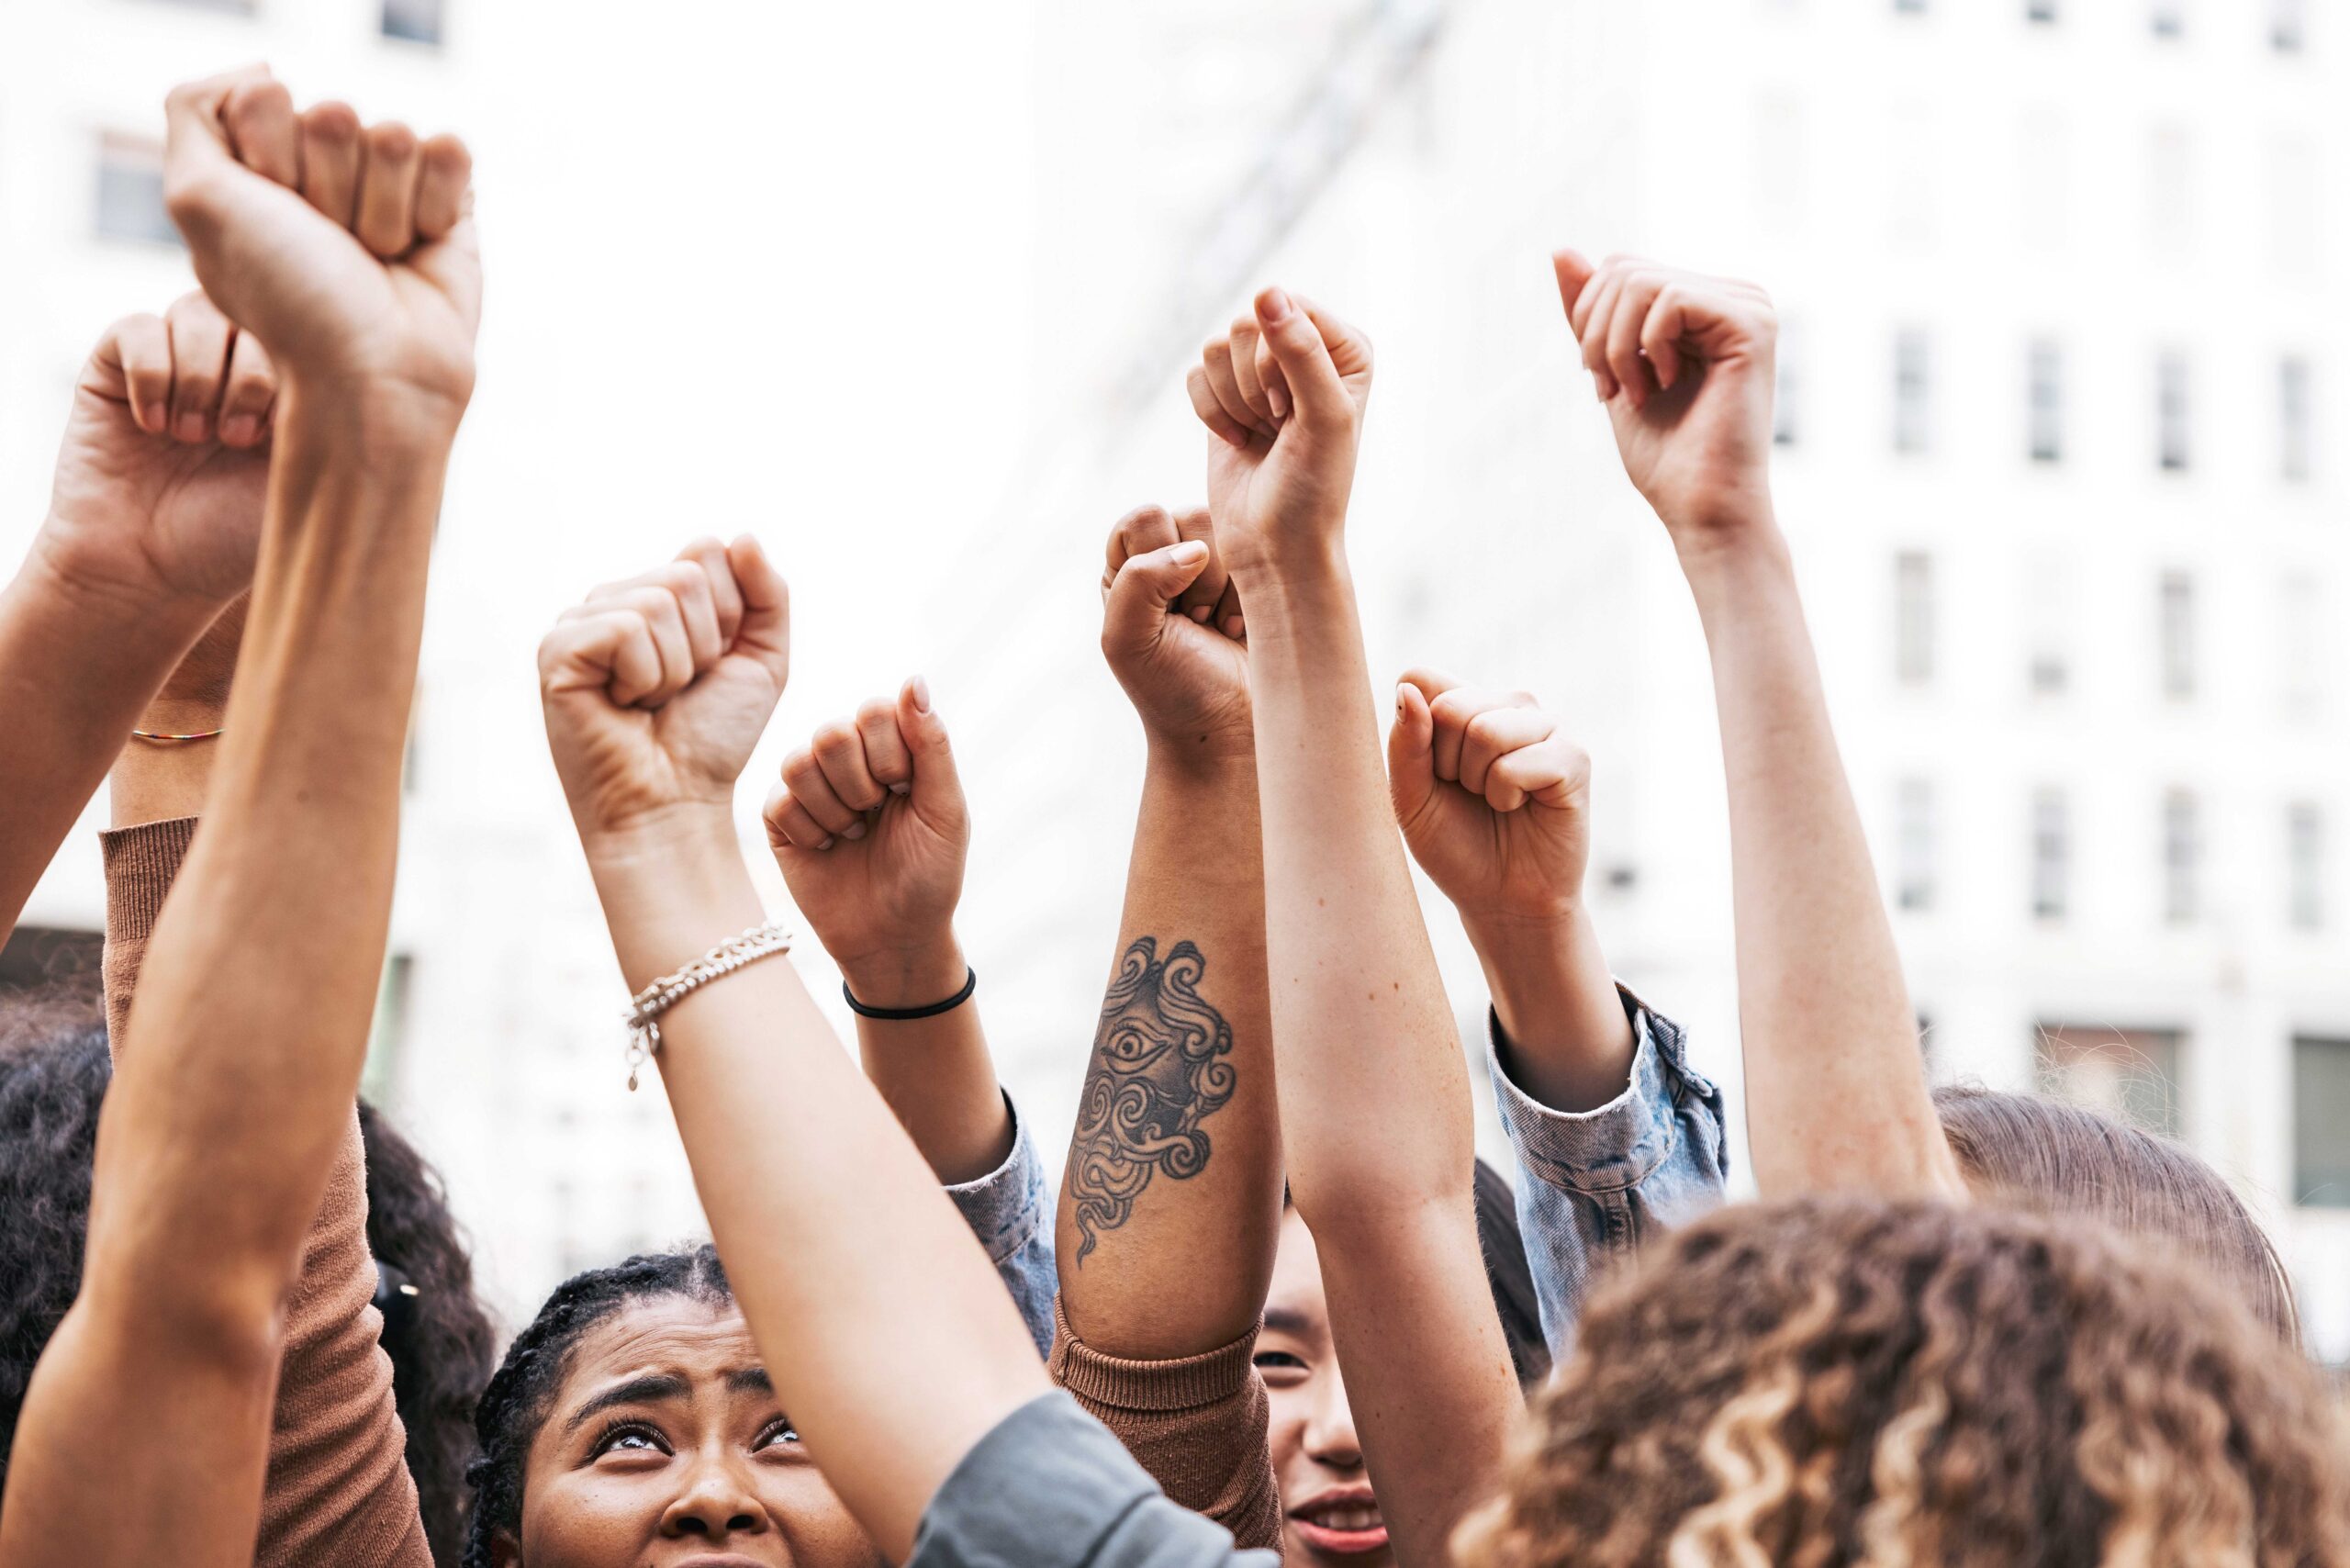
(165,463)
(1283,395)
(1495,803)
(1172,629)
(349,252)
(657,688)
(1686,365)
(869,825)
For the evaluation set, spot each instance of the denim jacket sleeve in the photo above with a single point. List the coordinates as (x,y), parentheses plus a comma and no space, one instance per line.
(1010,1211)
(1593,1184)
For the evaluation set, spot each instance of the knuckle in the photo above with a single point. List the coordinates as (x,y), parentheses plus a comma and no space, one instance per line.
(392,138)
(832,739)
(874,713)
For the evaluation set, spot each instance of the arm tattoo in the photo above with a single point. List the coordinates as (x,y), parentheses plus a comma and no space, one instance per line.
(1158,1070)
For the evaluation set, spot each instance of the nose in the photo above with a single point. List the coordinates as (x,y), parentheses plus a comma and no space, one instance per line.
(718,1501)
(1330,1427)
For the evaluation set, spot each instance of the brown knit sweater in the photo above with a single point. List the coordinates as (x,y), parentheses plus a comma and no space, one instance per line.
(338,1490)
(1199,1426)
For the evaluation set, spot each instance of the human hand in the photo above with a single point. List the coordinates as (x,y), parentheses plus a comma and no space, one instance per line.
(657,688)
(350,252)
(1282,395)
(165,463)
(1494,802)
(869,828)
(1686,366)
(1173,633)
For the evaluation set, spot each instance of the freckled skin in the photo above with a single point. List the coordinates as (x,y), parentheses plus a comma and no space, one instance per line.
(1313,1431)
(706,1472)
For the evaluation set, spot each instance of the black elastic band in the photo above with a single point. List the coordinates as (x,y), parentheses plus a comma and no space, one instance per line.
(905,1015)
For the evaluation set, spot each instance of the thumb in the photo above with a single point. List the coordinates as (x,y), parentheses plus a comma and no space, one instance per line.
(1411,755)
(1310,350)
(938,793)
(196,138)
(1574,273)
(766,631)
(1134,612)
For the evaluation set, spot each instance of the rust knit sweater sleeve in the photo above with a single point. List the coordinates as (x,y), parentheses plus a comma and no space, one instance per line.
(338,1490)
(1200,1426)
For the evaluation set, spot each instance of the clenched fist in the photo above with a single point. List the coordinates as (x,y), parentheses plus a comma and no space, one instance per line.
(1494,802)
(349,252)
(1173,633)
(1283,394)
(868,826)
(657,688)
(1686,365)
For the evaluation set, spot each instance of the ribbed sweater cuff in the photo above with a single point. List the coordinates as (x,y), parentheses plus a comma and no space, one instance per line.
(140,863)
(1186,1384)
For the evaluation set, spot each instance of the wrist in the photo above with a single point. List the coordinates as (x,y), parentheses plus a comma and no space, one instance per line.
(396,420)
(681,841)
(107,583)
(926,970)
(1542,970)
(1728,540)
(1312,562)
(1214,758)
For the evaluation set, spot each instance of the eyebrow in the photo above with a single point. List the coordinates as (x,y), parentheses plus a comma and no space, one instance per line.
(1282,1320)
(645,1389)
(750,1380)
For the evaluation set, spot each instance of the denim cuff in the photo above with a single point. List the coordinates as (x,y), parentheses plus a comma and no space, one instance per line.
(1620,1144)
(1006,1207)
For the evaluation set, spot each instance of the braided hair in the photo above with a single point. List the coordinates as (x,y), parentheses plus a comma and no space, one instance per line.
(515,1405)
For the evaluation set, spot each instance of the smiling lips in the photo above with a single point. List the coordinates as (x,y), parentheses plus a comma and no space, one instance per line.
(1343,1523)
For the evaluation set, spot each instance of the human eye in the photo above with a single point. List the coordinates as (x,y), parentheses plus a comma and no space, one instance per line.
(1280,1367)
(628,1436)
(778,1433)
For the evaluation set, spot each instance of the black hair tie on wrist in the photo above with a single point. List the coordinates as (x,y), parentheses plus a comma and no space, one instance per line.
(905,1015)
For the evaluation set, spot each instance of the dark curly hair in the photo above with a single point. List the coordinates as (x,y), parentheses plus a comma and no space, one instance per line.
(1838,1381)
(516,1402)
(53,1075)
(2032,1152)
(442,1342)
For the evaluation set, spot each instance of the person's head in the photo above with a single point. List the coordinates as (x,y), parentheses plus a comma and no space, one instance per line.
(53,1076)
(1330,1515)
(1836,1380)
(441,1343)
(2032,1152)
(632,1425)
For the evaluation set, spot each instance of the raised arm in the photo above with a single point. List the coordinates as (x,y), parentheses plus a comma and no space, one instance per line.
(884,1330)
(1836,1094)
(153,519)
(1373,1088)
(869,825)
(259,981)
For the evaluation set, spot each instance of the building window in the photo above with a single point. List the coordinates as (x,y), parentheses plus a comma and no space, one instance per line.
(2182,857)
(2051,854)
(2293,400)
(130,191)
(2321,1123)
(1913,618)
(2169,18)
(1910,8)
(1914,843)
(2288,24)
(2048,603)
(2302,654)
(1912,392)
(2305,865)
(2047,401)
(2172,413)
(2170,191)
(2039,10)
(2177,635)
(2128,1074)
(418,21)
(1786,406)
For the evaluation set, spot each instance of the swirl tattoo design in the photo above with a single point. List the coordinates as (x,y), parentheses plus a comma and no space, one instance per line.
(1158,1070)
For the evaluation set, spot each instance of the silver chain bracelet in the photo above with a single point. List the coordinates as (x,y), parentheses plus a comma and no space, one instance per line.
(645,1008)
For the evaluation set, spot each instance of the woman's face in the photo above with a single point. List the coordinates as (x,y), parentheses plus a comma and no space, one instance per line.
(665,1448)
(1331,1517)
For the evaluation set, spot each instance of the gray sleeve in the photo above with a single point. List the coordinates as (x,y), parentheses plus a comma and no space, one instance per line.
(1010,1211)
(1593,1184)
(1049,1487)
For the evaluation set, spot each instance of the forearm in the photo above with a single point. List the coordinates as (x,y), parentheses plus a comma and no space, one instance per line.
(1170,1215)
(1373,1085)
(1835,1086)
(77,666)
(1572,1043)
(844,1254)
(935,1073)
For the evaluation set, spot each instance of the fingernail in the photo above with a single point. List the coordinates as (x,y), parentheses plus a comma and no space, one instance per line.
(1274,307)
(1232,625)
(901,788)
(854,831)
(826,845)
(1188,552)
(190,428)
(238,429)
(157,420)
(1399,698)
(922,695)
(1200,612)
(1279,397)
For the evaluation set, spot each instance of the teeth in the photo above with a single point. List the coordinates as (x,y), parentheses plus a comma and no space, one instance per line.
(1353,1515)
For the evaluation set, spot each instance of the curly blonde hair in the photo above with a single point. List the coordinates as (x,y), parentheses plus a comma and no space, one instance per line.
(1837,1381)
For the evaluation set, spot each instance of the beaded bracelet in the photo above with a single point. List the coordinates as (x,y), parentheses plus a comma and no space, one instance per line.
(645,1008)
